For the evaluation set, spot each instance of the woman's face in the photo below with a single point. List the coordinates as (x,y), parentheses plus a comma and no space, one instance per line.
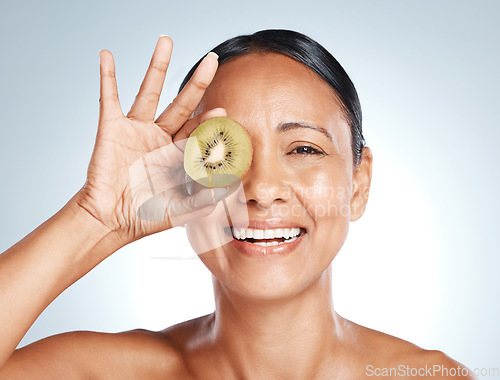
(301,176)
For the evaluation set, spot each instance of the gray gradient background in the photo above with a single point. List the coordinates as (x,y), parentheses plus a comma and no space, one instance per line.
(423,262)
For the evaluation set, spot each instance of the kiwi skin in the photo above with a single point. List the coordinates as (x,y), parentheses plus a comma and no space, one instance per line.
(221,139)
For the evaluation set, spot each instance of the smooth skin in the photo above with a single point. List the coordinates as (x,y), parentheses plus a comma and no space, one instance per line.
(274,317)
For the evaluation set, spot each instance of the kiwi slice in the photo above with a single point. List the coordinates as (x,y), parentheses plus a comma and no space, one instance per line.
(217,153)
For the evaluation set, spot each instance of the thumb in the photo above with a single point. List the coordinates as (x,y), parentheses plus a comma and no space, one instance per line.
(197,205)
(203,198)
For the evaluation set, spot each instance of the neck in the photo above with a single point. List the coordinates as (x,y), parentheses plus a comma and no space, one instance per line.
(286,337)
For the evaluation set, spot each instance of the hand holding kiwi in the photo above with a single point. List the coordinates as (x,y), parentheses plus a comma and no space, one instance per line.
(115,189)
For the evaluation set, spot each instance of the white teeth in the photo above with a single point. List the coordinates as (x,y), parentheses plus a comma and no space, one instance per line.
(286,233)
(267,244)
(258,234)
(248,233)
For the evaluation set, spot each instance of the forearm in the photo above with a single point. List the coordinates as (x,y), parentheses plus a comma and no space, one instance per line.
(41,266)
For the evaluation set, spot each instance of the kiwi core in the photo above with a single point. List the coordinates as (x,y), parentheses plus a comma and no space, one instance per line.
(217,154)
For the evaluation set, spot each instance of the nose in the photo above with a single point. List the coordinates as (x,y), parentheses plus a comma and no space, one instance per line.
(264,183)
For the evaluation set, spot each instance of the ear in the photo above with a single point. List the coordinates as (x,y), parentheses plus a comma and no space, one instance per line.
(361,179)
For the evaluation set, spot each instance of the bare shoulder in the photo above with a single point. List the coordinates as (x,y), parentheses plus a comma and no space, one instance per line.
(391,357)
(84,354)
(436,364)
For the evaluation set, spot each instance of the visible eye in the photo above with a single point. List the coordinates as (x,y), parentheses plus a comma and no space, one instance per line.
(306,149)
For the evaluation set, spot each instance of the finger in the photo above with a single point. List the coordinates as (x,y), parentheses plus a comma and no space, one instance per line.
(146,101)
(180,138)
(109,104)
(179,210)
(180,110)
(203,203)
(195,206)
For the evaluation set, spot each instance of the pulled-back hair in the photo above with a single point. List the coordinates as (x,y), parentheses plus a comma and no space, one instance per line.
(308,52)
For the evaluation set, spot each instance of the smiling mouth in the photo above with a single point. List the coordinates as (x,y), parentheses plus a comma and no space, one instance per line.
(266,238)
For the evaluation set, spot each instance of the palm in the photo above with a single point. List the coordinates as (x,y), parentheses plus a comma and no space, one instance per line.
(135,156)
(120,144)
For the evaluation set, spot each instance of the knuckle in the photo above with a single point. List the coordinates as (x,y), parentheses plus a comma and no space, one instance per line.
(182,109)
(109,74)
(108,98)
(150,97)
(190,203)
(160,66)
(200,84)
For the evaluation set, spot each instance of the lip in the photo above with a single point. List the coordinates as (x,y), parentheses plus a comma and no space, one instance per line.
(254,250)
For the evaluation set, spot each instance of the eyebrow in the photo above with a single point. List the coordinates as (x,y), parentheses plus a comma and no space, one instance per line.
(283,127)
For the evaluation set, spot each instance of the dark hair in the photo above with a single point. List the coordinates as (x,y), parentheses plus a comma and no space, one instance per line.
(307,51)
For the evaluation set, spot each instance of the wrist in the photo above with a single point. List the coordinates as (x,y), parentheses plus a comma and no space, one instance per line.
(96,231)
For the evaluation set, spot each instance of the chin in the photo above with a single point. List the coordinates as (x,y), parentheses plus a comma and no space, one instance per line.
(273,277)
(258,283)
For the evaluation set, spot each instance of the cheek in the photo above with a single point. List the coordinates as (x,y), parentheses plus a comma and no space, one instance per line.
(325,194)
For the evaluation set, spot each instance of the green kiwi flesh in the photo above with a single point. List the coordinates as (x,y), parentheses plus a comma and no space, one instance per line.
(218,152)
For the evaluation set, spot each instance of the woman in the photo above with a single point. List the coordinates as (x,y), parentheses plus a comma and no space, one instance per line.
(274,316)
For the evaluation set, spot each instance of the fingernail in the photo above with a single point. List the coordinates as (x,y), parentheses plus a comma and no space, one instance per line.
(212,54)
(218,193)
(163,35)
